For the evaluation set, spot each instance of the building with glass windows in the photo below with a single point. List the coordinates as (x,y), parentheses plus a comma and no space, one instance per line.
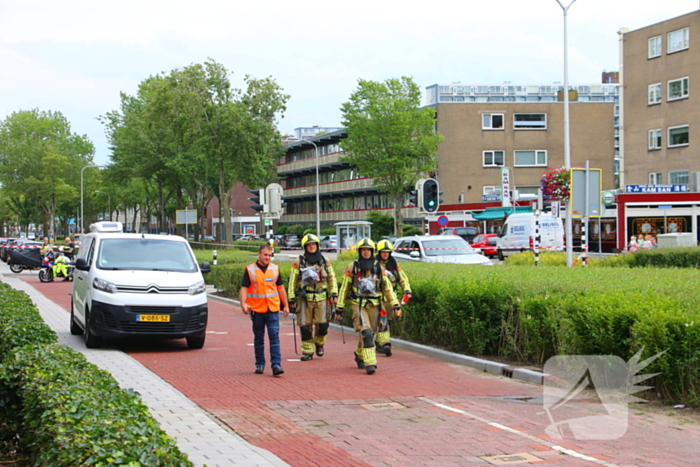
(660,115)
(344,193)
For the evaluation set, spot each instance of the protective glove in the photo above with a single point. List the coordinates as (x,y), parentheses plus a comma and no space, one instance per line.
(406,297)
(398,314)
(292,306)
(339,313)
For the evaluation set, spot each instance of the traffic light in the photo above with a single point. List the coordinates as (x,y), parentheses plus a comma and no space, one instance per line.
(274,194)
(258,199)
(415,196)
(431,195)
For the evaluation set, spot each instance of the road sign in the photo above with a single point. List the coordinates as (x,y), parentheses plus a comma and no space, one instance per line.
(186,216)
(442,221)
(580,206)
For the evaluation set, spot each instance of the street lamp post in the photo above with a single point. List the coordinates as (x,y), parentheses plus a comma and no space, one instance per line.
(318,202)
(82,204)
(567,142)
(109,202)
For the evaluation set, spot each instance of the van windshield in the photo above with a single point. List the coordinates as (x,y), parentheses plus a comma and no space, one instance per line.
(145,254)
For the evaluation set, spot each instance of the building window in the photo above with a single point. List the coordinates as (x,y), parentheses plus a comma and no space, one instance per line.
(655,139)
(654,47)
(493,159)
(492,190)
(655,178)
(492,121)
(530,121)
(678,177)
(678,40)
(654,93)
(530,158)
(678,136)
(677,89)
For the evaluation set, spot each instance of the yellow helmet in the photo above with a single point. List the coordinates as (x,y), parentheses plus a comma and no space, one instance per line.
(365,243)
(310,238)
(385,245)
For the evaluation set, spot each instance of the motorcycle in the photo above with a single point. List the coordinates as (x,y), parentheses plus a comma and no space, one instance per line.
(19,260)
(55,265)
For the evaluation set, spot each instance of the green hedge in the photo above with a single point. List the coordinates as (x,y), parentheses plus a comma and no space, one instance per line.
(66,410)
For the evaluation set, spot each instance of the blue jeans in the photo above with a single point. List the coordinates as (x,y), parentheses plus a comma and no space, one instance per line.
(272,321)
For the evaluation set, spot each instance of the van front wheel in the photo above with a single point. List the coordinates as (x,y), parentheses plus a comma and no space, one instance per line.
(91,341)
(195,342)
(500,255)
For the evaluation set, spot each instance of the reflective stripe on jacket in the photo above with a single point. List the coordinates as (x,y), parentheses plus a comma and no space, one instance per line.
(262,292)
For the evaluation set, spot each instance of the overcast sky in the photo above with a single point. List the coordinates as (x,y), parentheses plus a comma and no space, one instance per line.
(76,56)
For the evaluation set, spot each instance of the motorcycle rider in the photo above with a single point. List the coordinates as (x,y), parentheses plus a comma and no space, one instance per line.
(363,286)
(397,277)
(311,284)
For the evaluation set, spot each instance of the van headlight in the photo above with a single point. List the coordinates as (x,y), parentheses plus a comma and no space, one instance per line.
(198,288)
(105,286)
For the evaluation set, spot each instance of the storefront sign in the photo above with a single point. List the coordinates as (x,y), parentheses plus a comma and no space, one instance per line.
(656,188)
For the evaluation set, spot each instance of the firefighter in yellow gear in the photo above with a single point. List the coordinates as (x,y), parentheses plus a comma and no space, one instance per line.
(312,287)
(397,277)
(364,286)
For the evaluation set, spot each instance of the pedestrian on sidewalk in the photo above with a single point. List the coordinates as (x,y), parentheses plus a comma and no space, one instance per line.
(363,286)
(396,277)
(262,296)
(312,284)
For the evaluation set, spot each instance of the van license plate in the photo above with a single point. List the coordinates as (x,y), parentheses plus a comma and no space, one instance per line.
(153,318)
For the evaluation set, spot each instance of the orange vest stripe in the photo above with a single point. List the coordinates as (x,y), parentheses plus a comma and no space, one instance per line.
(262,292)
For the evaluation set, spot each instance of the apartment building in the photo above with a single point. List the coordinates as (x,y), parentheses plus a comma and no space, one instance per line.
(662,118)
(527,137)
(344,194)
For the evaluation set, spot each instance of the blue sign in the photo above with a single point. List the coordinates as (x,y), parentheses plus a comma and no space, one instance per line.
(488,198)
(442,220)
(665,207)
(656,189)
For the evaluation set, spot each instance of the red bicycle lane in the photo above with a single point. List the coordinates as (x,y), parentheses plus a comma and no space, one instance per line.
(414,411)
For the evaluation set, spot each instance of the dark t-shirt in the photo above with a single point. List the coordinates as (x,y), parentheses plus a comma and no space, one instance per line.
(68,250)
(246,279)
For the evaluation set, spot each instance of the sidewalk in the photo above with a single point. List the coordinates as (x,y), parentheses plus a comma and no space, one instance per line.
(205,440)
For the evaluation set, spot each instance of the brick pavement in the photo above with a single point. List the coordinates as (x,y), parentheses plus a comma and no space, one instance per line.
(428,412)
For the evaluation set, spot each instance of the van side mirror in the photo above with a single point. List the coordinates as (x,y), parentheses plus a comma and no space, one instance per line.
(81,265)
(205,267)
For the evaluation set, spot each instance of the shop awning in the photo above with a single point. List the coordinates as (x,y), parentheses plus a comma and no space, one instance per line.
(499,213)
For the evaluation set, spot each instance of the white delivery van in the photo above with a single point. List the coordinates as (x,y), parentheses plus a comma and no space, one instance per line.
(518,234)
(128,284)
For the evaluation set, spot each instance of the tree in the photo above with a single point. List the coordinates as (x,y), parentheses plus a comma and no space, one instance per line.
(40,162)
(390,137)
(190,136)
(382,224)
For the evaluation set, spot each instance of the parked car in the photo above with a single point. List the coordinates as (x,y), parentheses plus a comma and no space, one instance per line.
(486,244)
(209,238)
(438,249)
(467,233)
(330,243)
(391,238)
(292,241)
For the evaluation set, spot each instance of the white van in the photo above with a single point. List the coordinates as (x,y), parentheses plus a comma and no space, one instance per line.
(128,284)
(518,234)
